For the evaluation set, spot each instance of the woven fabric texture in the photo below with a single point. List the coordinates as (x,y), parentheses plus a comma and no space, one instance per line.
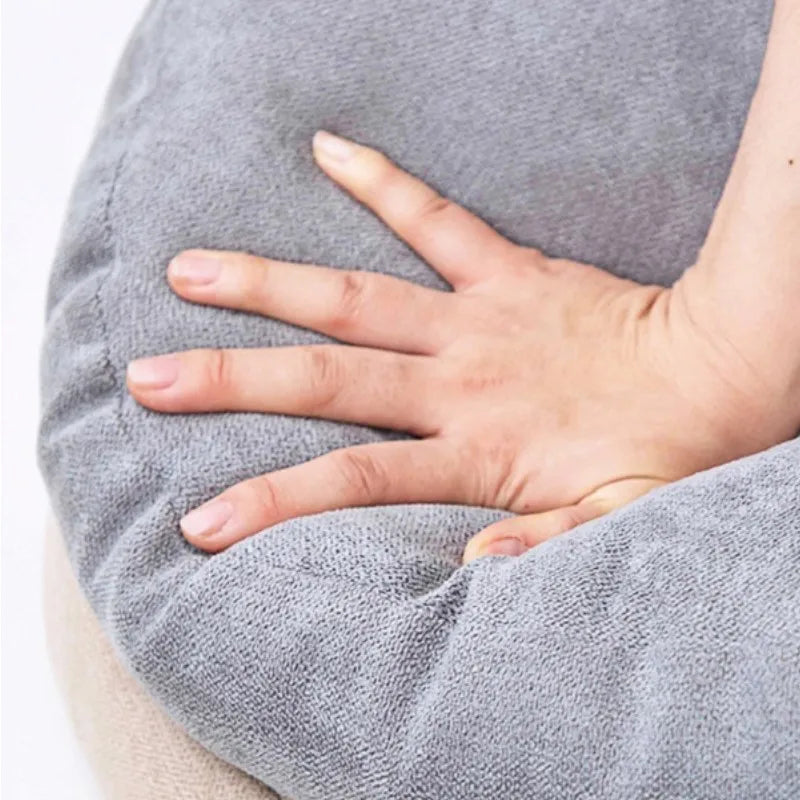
(652,653)
(135,750)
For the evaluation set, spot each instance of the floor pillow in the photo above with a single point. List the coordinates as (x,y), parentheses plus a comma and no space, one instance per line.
(654,652)
(135,750)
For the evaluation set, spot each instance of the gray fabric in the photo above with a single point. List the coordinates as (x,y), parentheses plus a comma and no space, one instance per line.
(652,653)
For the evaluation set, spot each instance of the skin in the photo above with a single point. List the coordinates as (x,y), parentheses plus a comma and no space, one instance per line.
(538,385)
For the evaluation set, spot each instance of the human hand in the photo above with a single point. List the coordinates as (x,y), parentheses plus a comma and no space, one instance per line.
(539,385)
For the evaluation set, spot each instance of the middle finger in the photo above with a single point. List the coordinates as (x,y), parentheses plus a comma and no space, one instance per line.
(354,306)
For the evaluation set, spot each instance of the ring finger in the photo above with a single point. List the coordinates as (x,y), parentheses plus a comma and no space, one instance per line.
(350,384)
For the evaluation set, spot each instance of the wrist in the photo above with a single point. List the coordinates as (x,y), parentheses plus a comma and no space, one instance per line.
(745,286)
(750,342)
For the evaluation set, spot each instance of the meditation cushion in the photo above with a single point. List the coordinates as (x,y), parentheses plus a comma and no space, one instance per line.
(651,653)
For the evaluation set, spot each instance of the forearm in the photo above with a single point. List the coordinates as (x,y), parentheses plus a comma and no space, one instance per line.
(763,192)
(748,273)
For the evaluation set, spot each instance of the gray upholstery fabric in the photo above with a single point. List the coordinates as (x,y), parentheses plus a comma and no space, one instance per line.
(652,653)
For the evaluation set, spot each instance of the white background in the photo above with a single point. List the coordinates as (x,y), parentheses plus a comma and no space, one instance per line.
(58,57)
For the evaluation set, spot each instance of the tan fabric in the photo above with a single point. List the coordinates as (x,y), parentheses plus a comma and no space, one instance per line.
(135,750)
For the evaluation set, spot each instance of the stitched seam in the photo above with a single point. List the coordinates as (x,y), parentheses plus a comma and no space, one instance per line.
(111,245)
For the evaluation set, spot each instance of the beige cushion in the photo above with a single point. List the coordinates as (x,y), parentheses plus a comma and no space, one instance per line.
(135,750)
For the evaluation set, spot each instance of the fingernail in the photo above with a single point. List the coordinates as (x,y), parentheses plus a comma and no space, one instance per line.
(153,373)
(333,147)
(207,519)
(195,267)
(504,547)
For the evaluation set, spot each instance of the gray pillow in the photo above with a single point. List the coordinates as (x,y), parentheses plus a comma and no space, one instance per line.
(654,652)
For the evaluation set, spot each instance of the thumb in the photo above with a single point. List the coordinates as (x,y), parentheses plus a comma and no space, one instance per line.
(515,535)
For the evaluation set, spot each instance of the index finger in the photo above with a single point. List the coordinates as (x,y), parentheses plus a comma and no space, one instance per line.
(455,242)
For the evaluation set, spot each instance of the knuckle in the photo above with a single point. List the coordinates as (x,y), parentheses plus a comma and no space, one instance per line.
(364,473)
(571,517)
(545,265)
(256,278)
(353,288)
(495,479)
(502,479)
(218,368)
(433,206)
(263,497)
(325,376)
(503,483)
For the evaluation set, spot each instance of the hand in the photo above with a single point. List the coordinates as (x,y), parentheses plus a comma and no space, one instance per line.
(539,385)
